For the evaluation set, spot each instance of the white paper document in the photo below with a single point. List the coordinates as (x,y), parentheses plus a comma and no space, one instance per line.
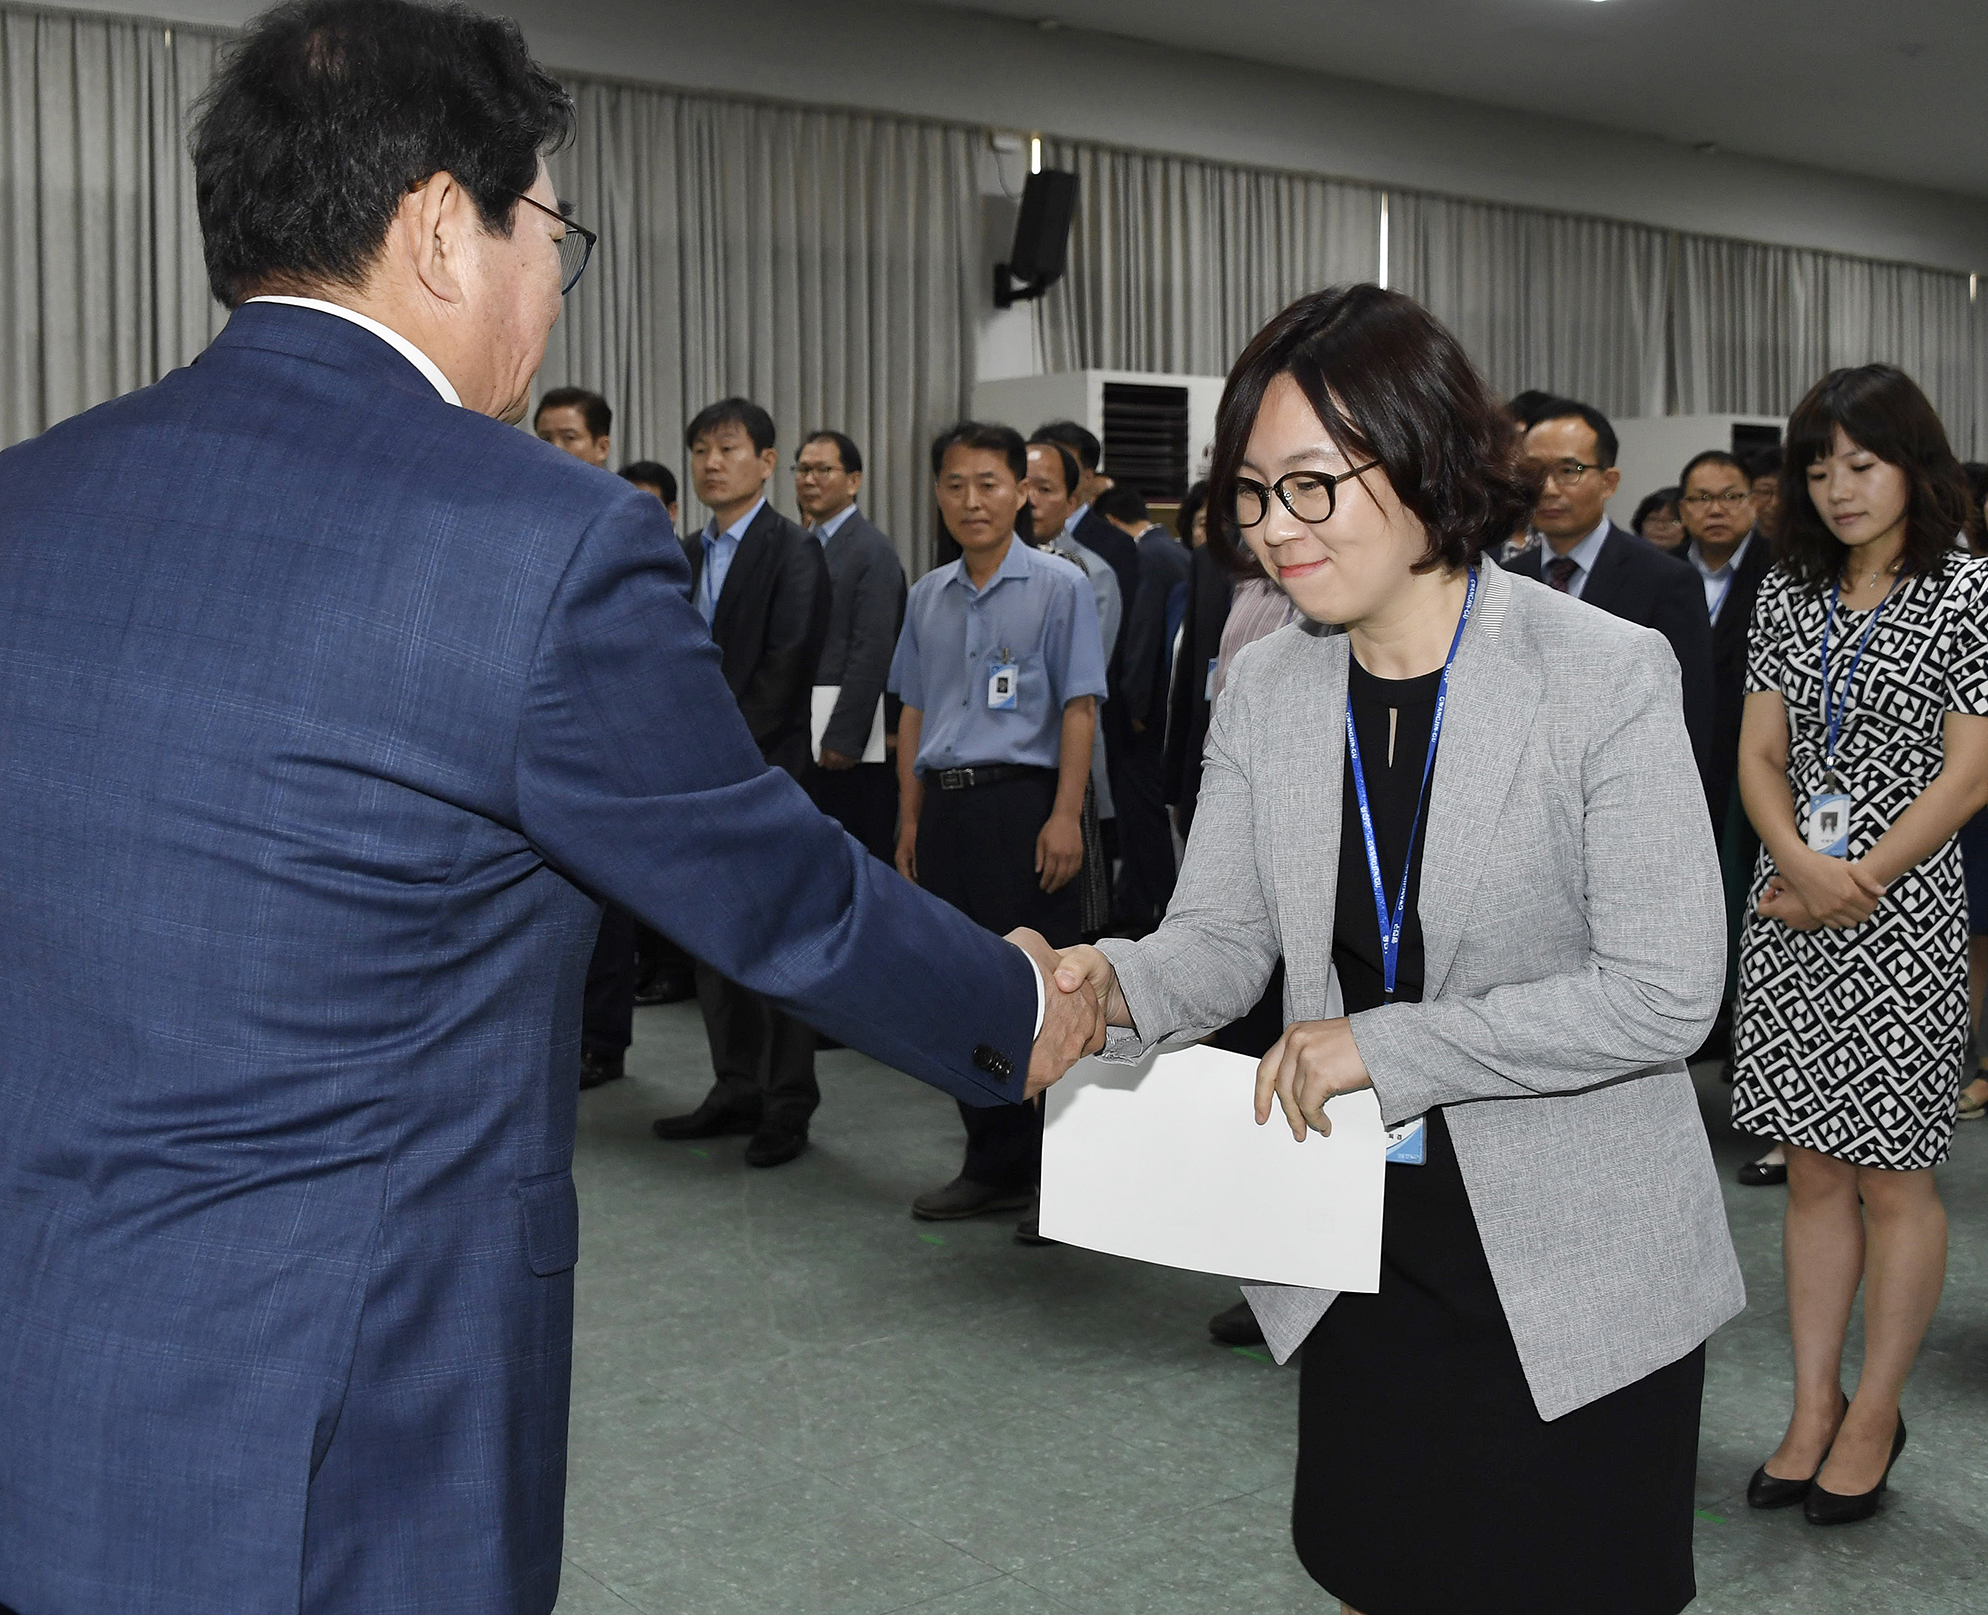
(1163,1162)
(825,697)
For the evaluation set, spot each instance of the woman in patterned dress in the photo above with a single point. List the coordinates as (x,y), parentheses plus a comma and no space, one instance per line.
(1866,720)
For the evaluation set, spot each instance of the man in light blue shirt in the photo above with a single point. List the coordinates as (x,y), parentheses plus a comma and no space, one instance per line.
(1000,669)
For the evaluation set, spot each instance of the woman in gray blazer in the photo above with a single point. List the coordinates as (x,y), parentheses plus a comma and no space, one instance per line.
(1476,812)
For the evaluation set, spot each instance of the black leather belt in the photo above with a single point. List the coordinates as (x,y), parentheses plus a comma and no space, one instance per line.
(965,779)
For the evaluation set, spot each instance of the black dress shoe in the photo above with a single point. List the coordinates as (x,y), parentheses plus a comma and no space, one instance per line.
(1771,1491)
(667,987)
(596,1068)
(1029,1232)
(774,1145)
(965,1198)
(1833,1508)
(1761,1174)
(1236,1326)
(712,1119)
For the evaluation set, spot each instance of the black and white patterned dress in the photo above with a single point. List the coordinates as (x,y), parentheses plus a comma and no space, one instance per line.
(1850,1041)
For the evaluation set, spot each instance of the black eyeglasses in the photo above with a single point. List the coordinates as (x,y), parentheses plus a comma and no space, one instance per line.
(576,246)
(1311,496)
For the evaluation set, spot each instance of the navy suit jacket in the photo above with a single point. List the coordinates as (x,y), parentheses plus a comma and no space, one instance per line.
(327,712)
(1640,583)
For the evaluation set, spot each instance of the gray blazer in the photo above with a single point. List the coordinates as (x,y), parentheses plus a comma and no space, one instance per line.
(866,610)
(1574,940)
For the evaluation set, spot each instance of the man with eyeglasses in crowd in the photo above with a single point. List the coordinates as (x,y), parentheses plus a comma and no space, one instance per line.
(850,783)
(1572,447)
(1727,543)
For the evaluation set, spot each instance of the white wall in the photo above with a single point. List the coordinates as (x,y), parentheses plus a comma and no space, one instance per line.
(940,63)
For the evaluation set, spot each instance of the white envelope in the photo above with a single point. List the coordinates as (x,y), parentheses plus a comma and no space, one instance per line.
(1163,1162)
(825,697)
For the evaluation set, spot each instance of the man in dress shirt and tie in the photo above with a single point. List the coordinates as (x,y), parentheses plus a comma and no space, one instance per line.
(866,580)
(1572,448)
(999,667)
(762,584)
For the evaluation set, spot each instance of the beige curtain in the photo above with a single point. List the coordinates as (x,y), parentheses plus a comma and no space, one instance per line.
(1570,305)
(101,283)
(1175,263)
(821,263)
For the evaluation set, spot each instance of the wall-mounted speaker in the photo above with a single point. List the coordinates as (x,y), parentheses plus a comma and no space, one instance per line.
(1042,239)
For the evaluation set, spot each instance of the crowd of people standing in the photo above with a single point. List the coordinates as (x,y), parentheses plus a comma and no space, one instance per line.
(1025,732)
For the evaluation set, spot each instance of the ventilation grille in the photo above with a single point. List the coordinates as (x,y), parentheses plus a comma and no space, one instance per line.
(1145,439)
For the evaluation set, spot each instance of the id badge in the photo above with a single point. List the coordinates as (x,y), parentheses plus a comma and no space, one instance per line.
(1829,824)
(1407,1145)
(1003,687)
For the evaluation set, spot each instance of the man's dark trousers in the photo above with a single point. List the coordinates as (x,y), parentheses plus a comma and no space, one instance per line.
(976,849)
(863,800)
(763,1060)
(607,1024)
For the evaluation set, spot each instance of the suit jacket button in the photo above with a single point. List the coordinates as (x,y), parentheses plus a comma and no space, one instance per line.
(989,1058)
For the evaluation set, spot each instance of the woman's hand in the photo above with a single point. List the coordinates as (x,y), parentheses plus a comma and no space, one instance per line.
(1086,967)
(1780,902)
(1312,1062)
(1835,891)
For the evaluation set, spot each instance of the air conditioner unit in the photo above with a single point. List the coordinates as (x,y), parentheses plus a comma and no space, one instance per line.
(1156,430)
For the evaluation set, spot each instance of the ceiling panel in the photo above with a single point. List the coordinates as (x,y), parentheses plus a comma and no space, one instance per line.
(1897,90)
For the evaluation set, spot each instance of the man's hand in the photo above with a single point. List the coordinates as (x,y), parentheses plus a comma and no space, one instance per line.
(835,760)
(907,852)
(1085,967)
(1836,891)
(1312,1062)
(1059,850)
(1072,1024)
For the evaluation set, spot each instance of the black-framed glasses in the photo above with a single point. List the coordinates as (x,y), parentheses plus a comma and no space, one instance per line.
(1567,473)
(1311,496)
(1732,498)
(576,246)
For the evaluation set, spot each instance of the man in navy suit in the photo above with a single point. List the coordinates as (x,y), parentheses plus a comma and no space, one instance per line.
(330,710)
(1572,448)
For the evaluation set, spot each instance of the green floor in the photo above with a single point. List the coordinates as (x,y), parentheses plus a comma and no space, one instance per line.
(791,1398)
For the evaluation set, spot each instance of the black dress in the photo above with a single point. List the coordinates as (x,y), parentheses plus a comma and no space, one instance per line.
(1427,1482)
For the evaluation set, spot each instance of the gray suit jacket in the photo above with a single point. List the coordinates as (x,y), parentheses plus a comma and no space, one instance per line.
(1574,940)
(866,609)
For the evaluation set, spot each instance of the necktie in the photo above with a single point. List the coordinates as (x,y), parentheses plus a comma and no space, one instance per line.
(1560,571)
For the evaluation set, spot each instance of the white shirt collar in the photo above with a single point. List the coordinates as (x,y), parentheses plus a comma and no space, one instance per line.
(1583,554)
(1076,516)
(393,339)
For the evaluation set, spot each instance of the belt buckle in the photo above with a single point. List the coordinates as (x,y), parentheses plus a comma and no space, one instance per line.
(955,779)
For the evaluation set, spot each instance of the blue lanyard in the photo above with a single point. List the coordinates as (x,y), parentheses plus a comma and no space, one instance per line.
(1391,919)
(1832,718)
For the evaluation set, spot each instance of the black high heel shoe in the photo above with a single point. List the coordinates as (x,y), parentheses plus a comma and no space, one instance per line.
(1771,1491)
(1832,1508)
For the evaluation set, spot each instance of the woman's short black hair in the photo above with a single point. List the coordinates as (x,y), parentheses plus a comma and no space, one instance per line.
(1191,505)
(327,112)
(984,435)
(1662,499)
(1883,412)
(1389,383)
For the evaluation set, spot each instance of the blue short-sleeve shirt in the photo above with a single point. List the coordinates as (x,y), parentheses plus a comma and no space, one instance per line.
(1037,612)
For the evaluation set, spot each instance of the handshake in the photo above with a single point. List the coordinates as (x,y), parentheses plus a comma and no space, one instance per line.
(1080,998)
